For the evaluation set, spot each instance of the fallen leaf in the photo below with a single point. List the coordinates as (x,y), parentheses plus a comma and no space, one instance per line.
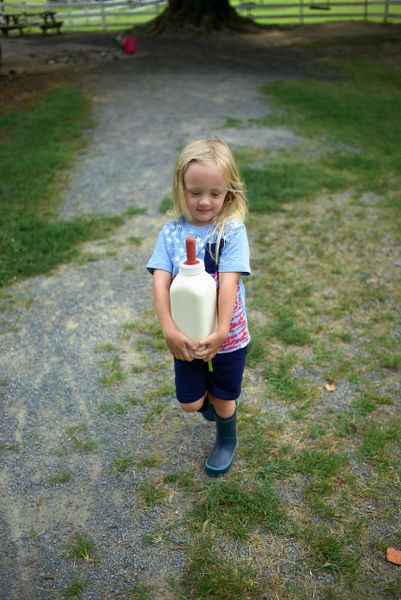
(394,556)
(330,386)
(181,548)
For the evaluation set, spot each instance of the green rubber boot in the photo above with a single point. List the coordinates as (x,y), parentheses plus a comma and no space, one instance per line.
(207,410)
(220,459)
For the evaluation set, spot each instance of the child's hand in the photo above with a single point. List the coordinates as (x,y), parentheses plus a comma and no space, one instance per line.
(207,348)
(179,344)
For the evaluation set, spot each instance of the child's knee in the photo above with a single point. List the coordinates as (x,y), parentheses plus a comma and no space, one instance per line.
(192,406)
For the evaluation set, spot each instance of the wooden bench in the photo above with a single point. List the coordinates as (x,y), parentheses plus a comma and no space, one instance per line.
(21,21)
(9,22)
(49,22)
(6,28)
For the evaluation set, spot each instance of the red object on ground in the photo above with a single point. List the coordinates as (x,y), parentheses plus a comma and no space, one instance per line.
(129,44)
(190,244)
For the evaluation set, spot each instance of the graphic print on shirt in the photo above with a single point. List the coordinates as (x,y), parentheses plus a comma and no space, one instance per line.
(239,335)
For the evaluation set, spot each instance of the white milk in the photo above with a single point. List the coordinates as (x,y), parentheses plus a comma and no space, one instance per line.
(193,297)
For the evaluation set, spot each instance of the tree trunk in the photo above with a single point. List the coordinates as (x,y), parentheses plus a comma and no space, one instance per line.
(199,15)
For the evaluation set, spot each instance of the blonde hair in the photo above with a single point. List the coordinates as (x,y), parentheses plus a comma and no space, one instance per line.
(205,151)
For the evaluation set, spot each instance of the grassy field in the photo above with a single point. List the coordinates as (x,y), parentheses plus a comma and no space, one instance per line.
(312,502)
(91,19)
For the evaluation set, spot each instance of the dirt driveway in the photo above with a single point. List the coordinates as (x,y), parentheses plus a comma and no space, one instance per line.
(58,414)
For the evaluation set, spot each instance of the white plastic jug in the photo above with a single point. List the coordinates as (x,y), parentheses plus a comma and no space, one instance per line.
(193,297)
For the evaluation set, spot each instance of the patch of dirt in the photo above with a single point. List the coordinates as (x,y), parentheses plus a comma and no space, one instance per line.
(32,64)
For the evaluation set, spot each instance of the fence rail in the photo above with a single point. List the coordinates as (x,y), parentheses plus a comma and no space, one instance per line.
(112,14)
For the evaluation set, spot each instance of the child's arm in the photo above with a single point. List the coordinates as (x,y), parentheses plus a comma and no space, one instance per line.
(228,284)
(177,342)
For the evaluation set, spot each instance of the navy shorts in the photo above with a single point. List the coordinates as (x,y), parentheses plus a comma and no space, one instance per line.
(193,379)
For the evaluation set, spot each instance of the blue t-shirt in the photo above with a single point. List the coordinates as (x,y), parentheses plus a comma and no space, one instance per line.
(233,258)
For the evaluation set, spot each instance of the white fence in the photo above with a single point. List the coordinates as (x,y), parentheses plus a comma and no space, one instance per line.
(114,14)
(305,11)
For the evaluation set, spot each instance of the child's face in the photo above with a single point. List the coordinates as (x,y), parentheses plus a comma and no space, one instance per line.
(205,190)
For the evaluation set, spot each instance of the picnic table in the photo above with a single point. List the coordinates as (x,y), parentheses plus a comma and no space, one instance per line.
(49,21)
(20,21)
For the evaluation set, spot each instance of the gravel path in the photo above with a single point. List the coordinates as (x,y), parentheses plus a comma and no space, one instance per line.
(145,108)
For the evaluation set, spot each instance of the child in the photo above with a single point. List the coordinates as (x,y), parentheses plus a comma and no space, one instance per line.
(210,205)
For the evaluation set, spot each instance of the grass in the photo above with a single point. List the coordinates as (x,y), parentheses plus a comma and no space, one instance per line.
(155,413)
(211,574)
(122,463)
(343,111)
(270,188)
(87,445)
(8,448)
(285,329)
(113,372)
(105,347)
(75,589)
(282,383)
(238,510)
(166,205)
(153,493)
(139,592)
(319,462)
(132,399)
(148,461)
(82,548)
(376,439)
(78,441)
(332,553)
(61,477)
(37,145)
(184,480)
(111,408)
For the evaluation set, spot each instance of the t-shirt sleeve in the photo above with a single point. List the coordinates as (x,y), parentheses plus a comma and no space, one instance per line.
(160,258)
(234,256)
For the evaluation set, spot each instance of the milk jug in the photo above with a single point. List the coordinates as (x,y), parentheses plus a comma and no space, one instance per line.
(193,297)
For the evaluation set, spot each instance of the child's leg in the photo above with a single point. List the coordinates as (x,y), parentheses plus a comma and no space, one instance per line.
(190,384)
(193,406)
(224,388)
(219,460)
(224,408)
